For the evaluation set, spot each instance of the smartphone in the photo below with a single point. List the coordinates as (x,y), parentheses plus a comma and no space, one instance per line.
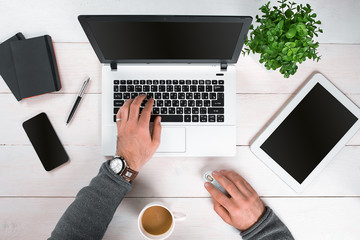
(45,141)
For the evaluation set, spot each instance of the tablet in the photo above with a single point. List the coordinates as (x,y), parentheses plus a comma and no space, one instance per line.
(307,133)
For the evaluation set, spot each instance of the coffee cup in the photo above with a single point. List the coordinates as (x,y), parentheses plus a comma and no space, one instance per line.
(156,221)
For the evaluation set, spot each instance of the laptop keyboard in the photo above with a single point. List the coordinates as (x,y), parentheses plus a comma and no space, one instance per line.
(199,101)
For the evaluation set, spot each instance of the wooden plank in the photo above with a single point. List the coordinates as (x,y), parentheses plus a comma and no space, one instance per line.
(59,18)
(23,175)
(254,111)
(39,216)
(339,63)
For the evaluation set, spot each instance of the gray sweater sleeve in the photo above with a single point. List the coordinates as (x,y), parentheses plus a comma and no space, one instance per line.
(93,208)
(269,227)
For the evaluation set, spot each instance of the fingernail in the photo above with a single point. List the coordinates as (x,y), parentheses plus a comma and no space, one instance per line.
(215,173)
(222,171)
(159,119)
(207,184)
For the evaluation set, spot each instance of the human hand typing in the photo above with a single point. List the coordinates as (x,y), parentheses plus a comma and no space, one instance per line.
(134,141)
(244,207)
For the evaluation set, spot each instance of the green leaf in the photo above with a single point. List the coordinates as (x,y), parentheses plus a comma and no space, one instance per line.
(288,13)
(291,33)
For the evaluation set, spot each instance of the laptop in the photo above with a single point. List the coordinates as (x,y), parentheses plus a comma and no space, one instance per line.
(186,63)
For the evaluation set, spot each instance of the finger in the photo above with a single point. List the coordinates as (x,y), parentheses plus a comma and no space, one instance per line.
(228,185)
(219,196)
(238,180)
(123,112)
(146,112)
(135,107)
(222,212)
(156,133)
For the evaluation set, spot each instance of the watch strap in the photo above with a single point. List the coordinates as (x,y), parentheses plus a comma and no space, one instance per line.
(129,174)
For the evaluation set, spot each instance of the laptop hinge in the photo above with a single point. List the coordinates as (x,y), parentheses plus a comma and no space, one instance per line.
(113,65)
(223,66)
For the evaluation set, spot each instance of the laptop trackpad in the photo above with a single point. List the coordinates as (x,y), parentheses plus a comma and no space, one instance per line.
(172,140)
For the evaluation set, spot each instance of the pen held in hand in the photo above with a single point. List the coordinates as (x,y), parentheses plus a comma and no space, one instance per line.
(78,99)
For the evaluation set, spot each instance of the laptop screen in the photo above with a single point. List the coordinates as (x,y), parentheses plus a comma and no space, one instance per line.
(169,39)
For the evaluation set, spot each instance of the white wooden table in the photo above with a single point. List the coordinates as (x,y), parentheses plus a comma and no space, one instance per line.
(32,200)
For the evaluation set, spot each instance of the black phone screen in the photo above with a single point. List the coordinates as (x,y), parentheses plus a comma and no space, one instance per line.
(45,141)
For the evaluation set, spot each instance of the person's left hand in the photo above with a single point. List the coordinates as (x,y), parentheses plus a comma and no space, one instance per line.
(134,141)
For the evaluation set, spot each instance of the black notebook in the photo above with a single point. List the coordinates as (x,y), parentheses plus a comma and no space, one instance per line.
(29,66)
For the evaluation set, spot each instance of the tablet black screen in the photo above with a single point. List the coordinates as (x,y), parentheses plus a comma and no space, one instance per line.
(308,133)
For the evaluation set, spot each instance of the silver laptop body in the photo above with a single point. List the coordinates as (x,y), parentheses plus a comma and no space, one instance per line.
(186,63)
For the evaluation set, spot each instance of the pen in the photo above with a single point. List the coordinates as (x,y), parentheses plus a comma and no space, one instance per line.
(78,99)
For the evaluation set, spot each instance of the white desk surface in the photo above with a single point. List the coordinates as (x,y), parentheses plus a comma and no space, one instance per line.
(32,200)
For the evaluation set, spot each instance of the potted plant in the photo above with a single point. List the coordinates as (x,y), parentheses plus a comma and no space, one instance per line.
(284,36)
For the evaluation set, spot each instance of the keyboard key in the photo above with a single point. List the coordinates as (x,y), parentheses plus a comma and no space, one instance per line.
(138,88)
(187,110)
(122,82)
(217,103)
(162,82)
(220,118)
(205,96)
(168,118)
(173,95)
(209,88)
(188,82)
(117,95)
(211,118)
(163,110)
(185,88)
(201,88)
(215,110)
(114,118)
(221,81)
(203,118)
(156,110)
(175,103)
(167,103)
(171,110)
(175,82)
(181,82)
(179,110)
(203,111)
(146,88)
(156,82)
(193,88)
(212,95)
(191,103)
(130,88)
(136,81)
(161,88)
(218,88)
(181,95)
(122,88)
(177,88)
(187,118)
(199,103)
(189,96)
(142,82)
(195,118)
(194,81)
(116,82)
(118,103)
(148,82)
(149,95)
(197,96)
(207,103)
(195,110)
(157,95)
(169,88)
(220,96)
(154,88)
(214,82)
(116,88)
(116,110)
(207,82)
(201,81)
(183,103)
(134,95)
(168,82)
(129,82)
(126,95)
(159,103)
(165,95)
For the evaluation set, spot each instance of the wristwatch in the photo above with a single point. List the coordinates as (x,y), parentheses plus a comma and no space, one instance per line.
(120,167)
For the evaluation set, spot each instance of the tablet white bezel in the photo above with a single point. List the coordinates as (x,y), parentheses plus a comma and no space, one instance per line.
(273,165)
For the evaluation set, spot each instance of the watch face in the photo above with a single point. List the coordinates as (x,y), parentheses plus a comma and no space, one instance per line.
(116,165)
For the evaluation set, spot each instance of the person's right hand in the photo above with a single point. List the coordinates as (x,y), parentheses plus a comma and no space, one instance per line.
(244,207)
